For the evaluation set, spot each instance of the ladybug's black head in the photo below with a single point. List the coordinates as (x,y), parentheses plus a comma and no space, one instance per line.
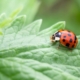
(56,36)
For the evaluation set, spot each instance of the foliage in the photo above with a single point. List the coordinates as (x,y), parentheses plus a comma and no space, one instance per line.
(26,52)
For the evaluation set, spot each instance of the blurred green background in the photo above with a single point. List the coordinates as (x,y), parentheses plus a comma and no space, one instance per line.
(52,11)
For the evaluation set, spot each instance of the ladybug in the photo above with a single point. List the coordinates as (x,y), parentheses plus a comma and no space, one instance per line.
(66,38)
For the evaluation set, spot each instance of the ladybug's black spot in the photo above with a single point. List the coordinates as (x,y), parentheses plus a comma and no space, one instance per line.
(64,36)
(68,31)
(75,38)
(67,44)
(63,40)
(72,46)
(70,40)
(75,41)
(69,34)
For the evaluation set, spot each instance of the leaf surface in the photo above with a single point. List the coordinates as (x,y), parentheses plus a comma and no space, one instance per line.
(27,53)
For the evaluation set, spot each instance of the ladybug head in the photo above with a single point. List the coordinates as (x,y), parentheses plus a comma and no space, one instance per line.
(55,37)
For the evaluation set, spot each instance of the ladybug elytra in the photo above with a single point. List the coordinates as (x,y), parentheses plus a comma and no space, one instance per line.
(66,38)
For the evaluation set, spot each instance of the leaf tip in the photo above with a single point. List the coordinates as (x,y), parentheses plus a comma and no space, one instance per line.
(40,20)
(63,23)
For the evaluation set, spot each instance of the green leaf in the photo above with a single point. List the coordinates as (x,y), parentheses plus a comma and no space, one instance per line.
(16,25)
(14,14)
(33,28)
(7,21)
(29,8)
(18,71)
(2,17)
(27,53)
(21,69)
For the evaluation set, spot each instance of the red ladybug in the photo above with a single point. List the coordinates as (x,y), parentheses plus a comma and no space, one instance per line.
(66,38)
